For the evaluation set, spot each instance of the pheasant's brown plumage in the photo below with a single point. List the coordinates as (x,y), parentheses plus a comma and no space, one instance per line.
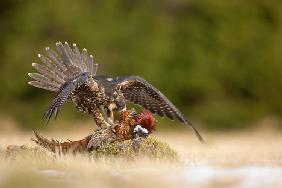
(125,125)
(123,130)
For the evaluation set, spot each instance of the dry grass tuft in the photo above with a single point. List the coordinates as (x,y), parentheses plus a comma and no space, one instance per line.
(241,159)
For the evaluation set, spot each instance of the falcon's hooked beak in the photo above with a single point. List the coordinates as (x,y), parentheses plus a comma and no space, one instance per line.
(122,110)
(114,106)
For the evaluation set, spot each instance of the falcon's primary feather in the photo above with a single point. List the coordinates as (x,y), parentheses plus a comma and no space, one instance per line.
(72,75)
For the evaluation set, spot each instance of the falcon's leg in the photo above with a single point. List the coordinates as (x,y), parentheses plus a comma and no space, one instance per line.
(108,116)
(99,118)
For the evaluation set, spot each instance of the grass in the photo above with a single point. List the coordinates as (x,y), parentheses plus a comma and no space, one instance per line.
(226,159)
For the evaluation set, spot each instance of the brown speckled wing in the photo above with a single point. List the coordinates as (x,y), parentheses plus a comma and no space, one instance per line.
(138,91)
(101,136)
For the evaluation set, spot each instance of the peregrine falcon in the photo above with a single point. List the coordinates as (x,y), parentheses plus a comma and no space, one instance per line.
(71,73)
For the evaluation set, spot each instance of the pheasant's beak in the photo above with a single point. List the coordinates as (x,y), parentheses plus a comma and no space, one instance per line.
(133,114)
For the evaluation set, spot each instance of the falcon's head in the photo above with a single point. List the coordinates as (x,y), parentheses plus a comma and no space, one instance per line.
(118,104)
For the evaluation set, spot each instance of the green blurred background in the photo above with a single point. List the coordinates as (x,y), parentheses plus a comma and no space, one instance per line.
(219,61)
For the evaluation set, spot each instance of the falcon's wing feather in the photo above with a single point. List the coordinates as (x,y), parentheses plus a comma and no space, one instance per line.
(62,71)
(137,90)
(64,92)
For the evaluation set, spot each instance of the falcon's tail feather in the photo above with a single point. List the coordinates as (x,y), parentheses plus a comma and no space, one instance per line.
(58,68)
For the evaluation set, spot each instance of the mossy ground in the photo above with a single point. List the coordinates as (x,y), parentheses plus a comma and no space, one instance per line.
(150,147)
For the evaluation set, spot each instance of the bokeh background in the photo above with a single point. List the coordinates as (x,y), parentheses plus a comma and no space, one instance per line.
(219,61)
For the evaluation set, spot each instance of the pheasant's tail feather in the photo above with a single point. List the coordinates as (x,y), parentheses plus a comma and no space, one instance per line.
(45,143)
(55,146)
(59,67)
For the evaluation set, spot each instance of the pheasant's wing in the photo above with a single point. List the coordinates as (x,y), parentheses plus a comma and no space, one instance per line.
(138,91)
(101,136)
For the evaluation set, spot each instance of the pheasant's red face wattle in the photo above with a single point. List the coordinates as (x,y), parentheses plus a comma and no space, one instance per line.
(147,121)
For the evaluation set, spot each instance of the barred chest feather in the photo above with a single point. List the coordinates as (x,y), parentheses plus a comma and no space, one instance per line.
(88,97)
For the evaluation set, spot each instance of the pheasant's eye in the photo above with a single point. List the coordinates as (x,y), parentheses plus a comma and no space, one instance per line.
(133,114)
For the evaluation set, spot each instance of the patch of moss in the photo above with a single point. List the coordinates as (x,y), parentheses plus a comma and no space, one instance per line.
(150,147)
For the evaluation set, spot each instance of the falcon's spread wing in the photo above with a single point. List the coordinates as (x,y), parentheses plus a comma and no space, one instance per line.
(137,90)
(62,71)
(64,92)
